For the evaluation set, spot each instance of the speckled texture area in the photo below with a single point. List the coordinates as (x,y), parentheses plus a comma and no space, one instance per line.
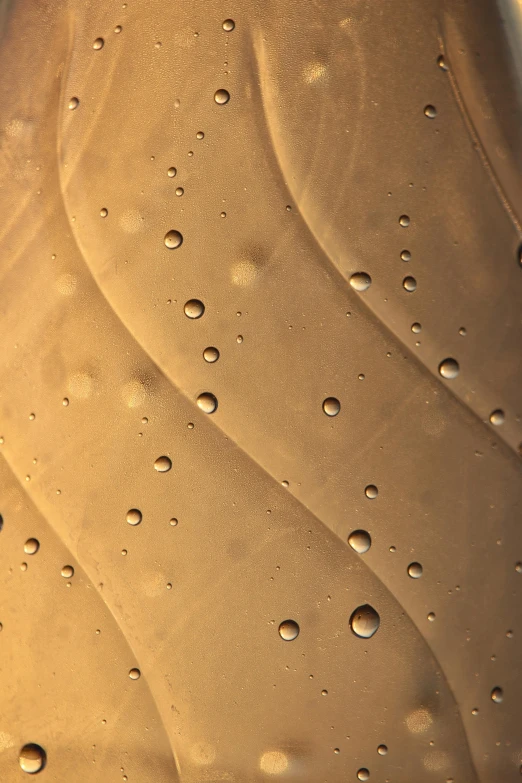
(260,404)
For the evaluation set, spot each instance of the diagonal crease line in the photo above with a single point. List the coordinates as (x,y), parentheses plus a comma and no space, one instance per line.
(34,503)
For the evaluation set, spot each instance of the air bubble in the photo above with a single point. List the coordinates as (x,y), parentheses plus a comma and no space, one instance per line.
(497,417)
(163,464)
(449,368)
(221,97)
(67,572)
(173,239)
(441,62)
(371,491)
(409,284)
(462,331)
(32,758)
(207,402)
(134,516)
(360,281)
(200,135)
(118,29)
(179,191)
(104,212)
(365,621)
(289,630)
(497,695)
(415,570)
(518,568)
(331,406)
(431,617)
(363,774)
(406,255)
(74,103)
(98,43)
(194,308)
(173,521)
(211,354)
(228,25)
(382,750)
(416,328)
(31,546)
(430,111)
(172,172)
(360,541)
(239,339)
(134,674)
(404,220)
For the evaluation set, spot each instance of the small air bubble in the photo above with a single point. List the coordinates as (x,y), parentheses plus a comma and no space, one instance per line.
(74,103)
(211,354)
(382,750)
(179,191)
(134,674)
(134,516)
(104,212)
(430,111)
(172,172)
(497,417)
(449,368)
(415,570)
(331,406)
(371,491)
(406,255)
(194,308)
(441,62)
(200,135)
(173,239)
(207,402)
(239,338)
(118,28)
(462,331)
(416,328)
(409,284)
(221,97)
(497,695)
(360,541)
(32,417)
(363,774)
(67,572)
(431,617)
(31,546)
(65,402)
(98,43)
(404,220)
(289,630)
(228,25)
(365,621)
(360,281)
(163,464)
(32,758)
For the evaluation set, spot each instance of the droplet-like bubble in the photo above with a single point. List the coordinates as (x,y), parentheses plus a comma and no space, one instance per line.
(449,368)
(416,328)
(462,331)
(518,568)
(32,758)
(74,103)
(207,402)
(415,570)
(200,135)
(360,281)
(31,546)
(179,191)
(497,417)
(431,617)
(228,25)
(173,239)
(118,29)
(171,172)
(430,111)
(163,464)
(104,212)
(98,43)
(67,572)
(331,406)
(134,516)
(194,308)
(441,62)
(404,220)
(365,621)
(363,774)
(65,402)
(360,541)
(221,97)
(382,750)
(371,491)
(409,284)
(134,674)
(406,255)
(497,695)
(289,630)
(211,354)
